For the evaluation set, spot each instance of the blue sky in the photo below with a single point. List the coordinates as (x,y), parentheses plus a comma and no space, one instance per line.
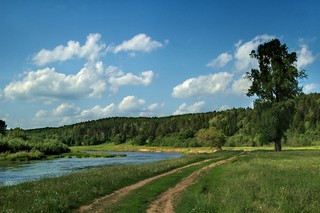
(63,62)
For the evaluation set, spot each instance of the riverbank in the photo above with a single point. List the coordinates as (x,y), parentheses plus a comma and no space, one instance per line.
(126,147)
(68,192)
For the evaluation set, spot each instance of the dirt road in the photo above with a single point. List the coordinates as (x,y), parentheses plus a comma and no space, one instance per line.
(164,201)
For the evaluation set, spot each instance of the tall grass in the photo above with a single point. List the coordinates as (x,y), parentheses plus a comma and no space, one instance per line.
(69,192)
(263,182)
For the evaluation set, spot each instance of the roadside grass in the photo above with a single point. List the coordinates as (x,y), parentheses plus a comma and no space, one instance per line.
(261,182)
(62,194)
(140,199)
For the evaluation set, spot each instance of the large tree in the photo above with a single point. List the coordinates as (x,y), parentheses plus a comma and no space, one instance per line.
(275,83)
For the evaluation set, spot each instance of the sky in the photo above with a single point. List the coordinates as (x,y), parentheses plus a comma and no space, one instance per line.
(69,61)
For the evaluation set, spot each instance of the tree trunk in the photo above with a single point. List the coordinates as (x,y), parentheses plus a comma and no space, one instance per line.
(277,146)
(277,142)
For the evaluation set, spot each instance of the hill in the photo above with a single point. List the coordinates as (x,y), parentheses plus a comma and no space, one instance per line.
(237,124)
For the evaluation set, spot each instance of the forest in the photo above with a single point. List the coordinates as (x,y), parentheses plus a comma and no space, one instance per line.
(239,125)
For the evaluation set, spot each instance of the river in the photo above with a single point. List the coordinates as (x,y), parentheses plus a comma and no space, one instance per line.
(20,172)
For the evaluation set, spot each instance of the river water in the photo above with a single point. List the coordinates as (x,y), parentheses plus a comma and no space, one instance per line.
(18,173)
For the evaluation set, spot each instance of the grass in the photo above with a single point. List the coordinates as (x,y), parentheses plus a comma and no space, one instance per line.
(140,199)
(63,194)
(262,182)
(22,156)
(127,147)
(134,148)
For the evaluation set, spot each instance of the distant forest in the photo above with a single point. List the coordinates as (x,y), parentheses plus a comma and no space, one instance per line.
(238,125)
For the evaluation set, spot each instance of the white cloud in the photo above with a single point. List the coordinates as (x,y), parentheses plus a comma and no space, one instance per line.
(97,112)
(66,109)
(144,79)
(67,113)
(194,108)
(131,104)
(242,54)
(220,61)
(90,50)
(241,86)
(224,107)
(140,42)
(47,83)
(308,88)
(203,85)
(93,80)
(304,57)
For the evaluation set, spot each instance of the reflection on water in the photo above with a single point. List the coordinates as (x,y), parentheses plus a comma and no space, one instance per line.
(17,173)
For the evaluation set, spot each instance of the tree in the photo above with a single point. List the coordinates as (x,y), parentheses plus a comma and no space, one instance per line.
(211,137)
(275,83)
(3,127)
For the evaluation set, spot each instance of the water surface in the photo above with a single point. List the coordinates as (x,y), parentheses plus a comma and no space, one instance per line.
(17,173)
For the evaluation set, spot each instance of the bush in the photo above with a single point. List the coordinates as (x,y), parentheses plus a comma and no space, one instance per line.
(140,140)
(211,137)
(52,147)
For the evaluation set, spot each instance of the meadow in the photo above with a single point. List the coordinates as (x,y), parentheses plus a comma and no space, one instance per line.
(259,181)
(63,194)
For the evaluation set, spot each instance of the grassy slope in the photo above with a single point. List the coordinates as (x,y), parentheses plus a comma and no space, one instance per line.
(262,182)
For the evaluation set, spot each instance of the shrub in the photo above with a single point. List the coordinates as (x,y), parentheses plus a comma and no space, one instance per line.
(211,137)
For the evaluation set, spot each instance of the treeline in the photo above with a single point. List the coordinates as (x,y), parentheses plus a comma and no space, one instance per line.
(17,144)
(238,125)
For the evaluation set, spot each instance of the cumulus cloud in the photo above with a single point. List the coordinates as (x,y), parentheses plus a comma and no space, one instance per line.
(220,61)
(308,88)
(140,42)
(131,104)
(304,57)
(93,80)
(243,50)
(144,79)
(66,109)
(194,108)
(97,112)
(241,86)
(67,113)
(203,85)
(90,50)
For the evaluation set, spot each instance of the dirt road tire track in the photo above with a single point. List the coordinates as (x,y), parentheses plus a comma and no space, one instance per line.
(99,204)
(165,201)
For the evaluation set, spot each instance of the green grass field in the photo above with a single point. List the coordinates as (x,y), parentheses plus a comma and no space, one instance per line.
(65,193)
(261,182)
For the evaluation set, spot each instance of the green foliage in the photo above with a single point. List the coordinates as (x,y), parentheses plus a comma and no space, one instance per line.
(211,137)
(241,126)
(19,149)
(140,140)
(22,155)
(276,80)
(274,83)
(18,133)
(273,120)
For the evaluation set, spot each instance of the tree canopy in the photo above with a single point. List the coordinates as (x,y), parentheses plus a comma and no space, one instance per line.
(275,83)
